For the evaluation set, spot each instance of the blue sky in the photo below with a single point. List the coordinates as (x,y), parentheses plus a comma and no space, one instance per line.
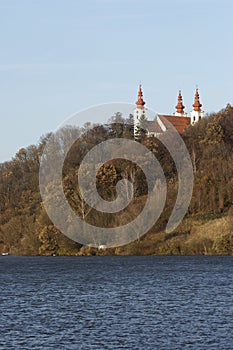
(60,56)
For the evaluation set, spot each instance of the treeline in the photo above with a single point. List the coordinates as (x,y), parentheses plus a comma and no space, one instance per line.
(25,228)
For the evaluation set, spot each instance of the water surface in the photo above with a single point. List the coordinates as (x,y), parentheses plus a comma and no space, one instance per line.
(116,303)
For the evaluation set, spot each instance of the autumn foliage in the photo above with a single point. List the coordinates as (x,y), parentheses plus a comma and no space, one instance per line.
(25,228)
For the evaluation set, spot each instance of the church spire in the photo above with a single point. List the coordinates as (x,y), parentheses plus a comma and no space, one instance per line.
(180,106)
(197,105)
(140,112)
(140,102)
(196,113)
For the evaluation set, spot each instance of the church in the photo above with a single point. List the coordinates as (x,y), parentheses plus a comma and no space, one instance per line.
(180,120)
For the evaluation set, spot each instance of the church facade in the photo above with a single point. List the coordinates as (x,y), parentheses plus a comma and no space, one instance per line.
(180,120)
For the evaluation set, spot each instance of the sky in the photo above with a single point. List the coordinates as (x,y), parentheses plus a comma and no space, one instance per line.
(58,57)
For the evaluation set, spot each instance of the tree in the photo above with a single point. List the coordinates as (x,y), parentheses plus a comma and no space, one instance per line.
(129,127)
(141,129)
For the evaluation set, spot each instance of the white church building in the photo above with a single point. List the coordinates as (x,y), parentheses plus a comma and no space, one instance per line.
(180,120)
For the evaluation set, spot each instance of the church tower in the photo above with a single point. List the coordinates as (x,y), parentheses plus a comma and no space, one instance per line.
(140,110)
(196,113)
(180,107)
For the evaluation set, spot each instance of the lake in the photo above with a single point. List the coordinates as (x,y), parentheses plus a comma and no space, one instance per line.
(116,303)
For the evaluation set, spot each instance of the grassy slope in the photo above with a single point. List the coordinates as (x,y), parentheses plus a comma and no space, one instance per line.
(195,236)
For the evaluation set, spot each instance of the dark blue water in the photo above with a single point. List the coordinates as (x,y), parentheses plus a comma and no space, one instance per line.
(116,303)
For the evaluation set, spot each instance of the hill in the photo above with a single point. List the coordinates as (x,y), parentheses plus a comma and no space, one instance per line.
(25,228)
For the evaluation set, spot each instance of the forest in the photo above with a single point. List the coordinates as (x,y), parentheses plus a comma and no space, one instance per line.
(25,228)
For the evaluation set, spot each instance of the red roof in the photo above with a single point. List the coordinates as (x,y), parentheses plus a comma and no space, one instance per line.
(180,123)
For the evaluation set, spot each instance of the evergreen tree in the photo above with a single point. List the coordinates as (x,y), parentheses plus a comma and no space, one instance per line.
(141,129)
